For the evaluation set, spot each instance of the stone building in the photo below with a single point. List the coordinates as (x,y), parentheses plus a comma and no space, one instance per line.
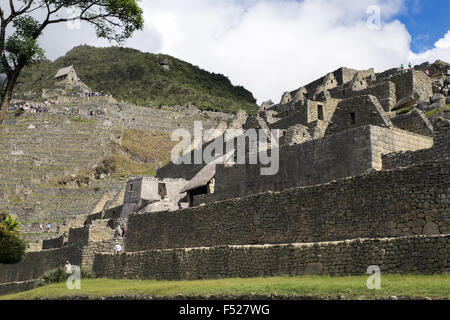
(335,127)
(201,184)
(153,194)
(363,180)
(67,74)
(67,79)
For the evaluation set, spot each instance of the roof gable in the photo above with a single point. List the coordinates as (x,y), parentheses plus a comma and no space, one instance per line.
(64,71)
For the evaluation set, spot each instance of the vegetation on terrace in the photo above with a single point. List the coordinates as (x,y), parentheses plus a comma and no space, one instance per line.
(141,153)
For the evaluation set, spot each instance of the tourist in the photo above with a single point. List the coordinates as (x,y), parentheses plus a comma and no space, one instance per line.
(68,267)
(41,227)
(117,248)
(427,72)
(48,227)
(409,65)
(402,67)
(124,230)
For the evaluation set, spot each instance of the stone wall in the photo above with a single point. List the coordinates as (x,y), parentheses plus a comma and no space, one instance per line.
(53,243)
(404,84)
(384,92)
(295,117)
(88,252)
(35,264)
(79,236)
(404,202)
(84,243)
(98,231)
(440,149)
(13,287)
(203,198)
(408,255)
(414,121)
(356,112)
(386,141)
(346,154)
(409,81)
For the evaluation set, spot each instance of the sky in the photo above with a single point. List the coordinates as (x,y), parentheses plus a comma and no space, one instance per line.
(272,46)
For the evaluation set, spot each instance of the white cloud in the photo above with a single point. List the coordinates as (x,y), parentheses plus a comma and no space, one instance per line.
(440,51)
(268,46)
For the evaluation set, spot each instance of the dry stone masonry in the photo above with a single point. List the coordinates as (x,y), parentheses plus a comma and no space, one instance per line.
(363,180)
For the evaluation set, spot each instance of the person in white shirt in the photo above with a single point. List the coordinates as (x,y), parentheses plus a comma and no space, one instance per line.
(68,267)
(118,248)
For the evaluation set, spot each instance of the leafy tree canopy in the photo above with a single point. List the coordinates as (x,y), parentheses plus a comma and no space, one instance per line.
(23,21)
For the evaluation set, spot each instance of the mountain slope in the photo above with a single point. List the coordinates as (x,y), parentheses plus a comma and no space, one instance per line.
(143,78)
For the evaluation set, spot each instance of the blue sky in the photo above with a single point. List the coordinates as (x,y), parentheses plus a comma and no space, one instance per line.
(427,21)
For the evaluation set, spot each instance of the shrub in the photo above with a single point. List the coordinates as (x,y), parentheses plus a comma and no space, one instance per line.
(9,222)
(106,167)
(12,247)
(59,275)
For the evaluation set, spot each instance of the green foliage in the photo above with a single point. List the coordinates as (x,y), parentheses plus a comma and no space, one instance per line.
(140,78)
(21,48)
(436,111)
(405,110)
(9,222)
(12,247)
(59,275)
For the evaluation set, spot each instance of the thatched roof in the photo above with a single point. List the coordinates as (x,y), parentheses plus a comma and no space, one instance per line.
(202,178)
(205,175)
(63,72)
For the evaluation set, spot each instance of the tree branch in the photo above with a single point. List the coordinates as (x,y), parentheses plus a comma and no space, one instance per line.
(11,5)
(24,9)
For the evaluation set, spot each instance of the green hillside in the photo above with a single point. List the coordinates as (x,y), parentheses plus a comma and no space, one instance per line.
(141,78)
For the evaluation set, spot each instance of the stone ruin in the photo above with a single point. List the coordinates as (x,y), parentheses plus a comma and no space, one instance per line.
(66,80)
(359,184)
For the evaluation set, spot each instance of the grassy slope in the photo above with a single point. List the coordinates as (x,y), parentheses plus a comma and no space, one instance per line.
(139,78)
(413,286)
(141,152)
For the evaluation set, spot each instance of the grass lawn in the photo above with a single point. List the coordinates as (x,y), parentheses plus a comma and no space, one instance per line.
(411,286)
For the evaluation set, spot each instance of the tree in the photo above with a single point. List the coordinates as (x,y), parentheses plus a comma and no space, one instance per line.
(114,20)
(12,247)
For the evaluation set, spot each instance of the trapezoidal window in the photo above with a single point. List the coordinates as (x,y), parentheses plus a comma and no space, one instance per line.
(131,187)
(162,191)
(320,112)
(353,117)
